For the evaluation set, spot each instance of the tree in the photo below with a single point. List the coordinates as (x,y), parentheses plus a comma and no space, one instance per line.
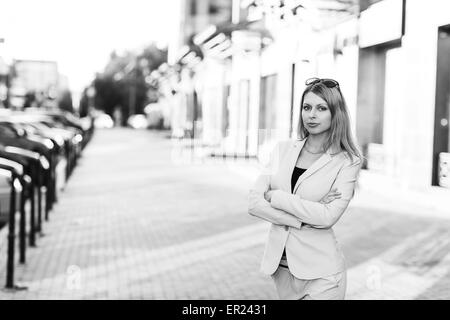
(65,101)
(83,109)
(122,83)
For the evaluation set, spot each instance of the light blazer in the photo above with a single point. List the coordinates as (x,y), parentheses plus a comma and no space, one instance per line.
(299,222)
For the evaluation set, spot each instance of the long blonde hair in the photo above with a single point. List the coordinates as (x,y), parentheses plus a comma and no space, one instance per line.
(340,137)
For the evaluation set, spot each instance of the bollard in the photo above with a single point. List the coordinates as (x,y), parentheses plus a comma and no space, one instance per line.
(49,199)
(15,170)
(22,228)
(43,194)
(39,210)
(11,236)
(25,180)
(46,166)
(36,164)
(11,231)
(22,242)
(32,235)
(44,191)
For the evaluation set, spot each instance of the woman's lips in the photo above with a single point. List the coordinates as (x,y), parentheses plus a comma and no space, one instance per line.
(312,125)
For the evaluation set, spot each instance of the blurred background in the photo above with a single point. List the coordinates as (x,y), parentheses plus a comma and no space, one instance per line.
(164,106)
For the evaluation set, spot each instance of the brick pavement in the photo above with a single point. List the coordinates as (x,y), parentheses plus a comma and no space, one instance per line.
(142,220)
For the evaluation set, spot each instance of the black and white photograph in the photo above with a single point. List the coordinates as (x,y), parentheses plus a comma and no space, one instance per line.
(237,151)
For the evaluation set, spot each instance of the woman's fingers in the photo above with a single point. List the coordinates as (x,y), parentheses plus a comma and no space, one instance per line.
(331,196)
(334,192)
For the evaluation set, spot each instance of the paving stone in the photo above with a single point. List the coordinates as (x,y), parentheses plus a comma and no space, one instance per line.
(136,221)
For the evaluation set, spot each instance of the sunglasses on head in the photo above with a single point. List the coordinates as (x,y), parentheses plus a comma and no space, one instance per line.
(330,83)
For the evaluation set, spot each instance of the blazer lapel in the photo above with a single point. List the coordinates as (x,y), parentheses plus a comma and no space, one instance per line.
(319,163)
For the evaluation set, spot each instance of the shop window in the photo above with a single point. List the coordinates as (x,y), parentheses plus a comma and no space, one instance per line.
(267,111)
(441,143)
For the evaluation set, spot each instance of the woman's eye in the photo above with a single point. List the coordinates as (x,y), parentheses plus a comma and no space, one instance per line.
(305,107)
(322,109)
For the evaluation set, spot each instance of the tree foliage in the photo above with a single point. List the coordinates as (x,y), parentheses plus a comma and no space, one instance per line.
(122,85)
(65,100)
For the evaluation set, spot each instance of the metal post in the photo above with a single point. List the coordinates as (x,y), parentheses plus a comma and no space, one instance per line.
(32,235)
(51,189)
(54,187)
(11,236)
(22,230)
(48,188)
(48,191)
(39,205)
(45,196)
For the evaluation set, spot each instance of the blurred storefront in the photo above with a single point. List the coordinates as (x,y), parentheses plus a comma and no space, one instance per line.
(391,58)
(4,83)
(286,50)
(4,76)
(33,83)
(183,82)
(404,91)
(379,80)
(426,47)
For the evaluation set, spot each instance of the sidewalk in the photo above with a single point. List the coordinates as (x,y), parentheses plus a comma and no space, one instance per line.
(142,218)
(138,220)
(402,250)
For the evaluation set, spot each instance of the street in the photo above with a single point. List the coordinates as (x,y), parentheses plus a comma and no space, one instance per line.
(140,219)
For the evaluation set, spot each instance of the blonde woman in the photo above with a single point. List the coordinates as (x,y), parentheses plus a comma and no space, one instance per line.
(303,191)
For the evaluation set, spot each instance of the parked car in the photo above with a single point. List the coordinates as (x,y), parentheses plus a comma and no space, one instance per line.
(138,121)
(103,121)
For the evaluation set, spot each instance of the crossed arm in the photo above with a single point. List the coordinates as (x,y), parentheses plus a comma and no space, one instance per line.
(259,207)
(317,214)
(289,209)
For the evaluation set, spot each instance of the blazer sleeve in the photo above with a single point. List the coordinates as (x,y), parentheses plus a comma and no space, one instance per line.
(259,207)
(316,214)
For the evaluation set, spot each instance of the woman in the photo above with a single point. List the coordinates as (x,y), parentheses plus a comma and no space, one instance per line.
(303,191)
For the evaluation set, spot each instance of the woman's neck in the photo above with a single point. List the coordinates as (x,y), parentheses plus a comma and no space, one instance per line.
(316,142)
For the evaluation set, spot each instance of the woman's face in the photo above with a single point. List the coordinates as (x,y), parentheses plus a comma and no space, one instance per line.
(316,114)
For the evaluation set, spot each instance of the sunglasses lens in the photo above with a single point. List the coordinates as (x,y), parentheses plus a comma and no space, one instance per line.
(311,81)
(330,83)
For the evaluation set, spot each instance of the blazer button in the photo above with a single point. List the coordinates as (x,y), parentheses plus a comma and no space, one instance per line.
(286,228)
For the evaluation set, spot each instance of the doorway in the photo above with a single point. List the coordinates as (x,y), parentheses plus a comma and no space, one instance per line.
(441,139)
(267,109)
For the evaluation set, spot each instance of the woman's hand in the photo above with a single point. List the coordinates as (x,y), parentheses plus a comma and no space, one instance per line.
(268,195)
(332,195)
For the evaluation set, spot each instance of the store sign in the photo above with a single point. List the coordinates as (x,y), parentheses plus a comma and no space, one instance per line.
(381,22)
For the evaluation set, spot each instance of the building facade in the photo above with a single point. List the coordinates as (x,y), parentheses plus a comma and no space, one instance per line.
(394,75)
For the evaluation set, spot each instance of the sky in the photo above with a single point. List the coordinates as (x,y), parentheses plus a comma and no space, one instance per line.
(80,34)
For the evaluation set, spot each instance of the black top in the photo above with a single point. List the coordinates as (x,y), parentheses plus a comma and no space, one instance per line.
(295,175)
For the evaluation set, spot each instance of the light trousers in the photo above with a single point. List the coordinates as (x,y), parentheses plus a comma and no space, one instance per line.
(327,288)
